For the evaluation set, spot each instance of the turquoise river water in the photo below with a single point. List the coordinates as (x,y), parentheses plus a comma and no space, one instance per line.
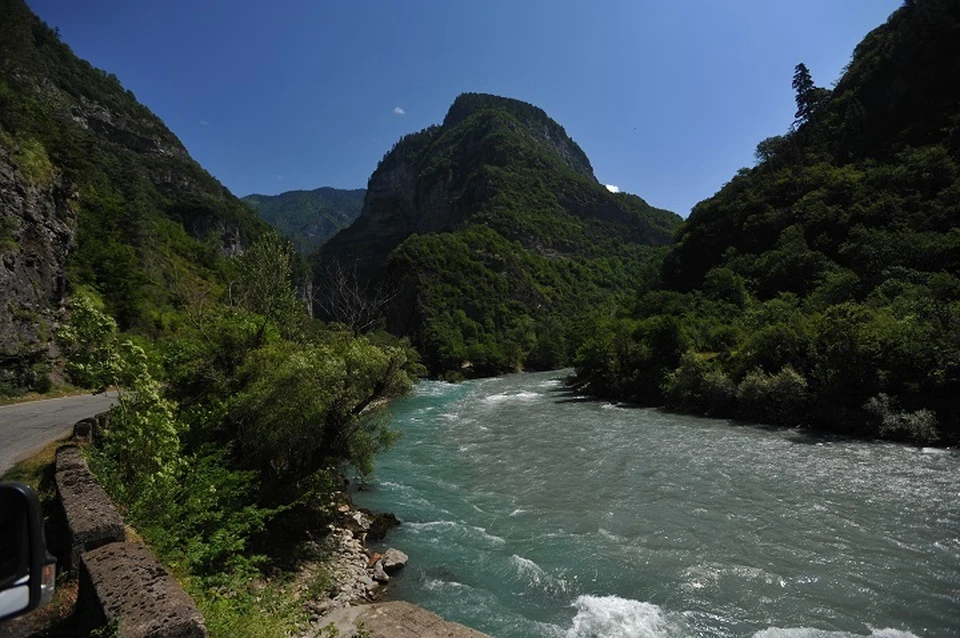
(530,512)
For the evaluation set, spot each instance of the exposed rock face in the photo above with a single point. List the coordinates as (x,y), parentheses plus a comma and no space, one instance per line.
(123,582)
(37,227)
(141,135)
(405,195)
(474,170)
(87,173)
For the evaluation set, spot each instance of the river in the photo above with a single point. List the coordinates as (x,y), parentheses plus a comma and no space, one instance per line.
(531,512)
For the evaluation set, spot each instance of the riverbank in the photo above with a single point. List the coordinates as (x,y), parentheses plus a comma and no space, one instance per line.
(360,576)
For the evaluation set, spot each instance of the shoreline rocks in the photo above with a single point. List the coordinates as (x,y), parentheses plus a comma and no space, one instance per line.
(359,574)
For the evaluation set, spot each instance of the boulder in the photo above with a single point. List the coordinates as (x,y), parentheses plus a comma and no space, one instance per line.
(394,619)
(393,560)
(380,524)
(379,574)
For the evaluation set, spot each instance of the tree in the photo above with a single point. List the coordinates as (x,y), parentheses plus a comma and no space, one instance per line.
(342,297)
(809,96)
(303,407)
(265,284)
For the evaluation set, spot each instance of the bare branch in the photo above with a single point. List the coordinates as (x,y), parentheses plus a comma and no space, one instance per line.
(344,298)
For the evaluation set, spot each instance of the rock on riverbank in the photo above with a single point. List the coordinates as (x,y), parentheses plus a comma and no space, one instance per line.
(359,576)
(394,619)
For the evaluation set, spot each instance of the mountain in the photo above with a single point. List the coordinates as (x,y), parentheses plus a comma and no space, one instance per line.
(308,218)
(95,192)
(821,286)
(483,238)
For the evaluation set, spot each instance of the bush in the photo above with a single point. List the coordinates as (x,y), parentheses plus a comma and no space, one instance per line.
(780,399)
(918,427)
(699,385)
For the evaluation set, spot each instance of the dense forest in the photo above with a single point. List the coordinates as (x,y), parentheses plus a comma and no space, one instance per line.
(489,242)
(308,218)
(820,287)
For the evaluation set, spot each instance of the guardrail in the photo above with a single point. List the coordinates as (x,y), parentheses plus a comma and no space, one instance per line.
(120,583)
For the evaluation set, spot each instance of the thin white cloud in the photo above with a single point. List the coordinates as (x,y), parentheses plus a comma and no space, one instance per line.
(204,122)
(280,177)
(612,188)
(399,111)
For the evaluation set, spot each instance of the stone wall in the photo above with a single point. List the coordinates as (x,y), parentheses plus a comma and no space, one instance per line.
(119,582)
(91,519)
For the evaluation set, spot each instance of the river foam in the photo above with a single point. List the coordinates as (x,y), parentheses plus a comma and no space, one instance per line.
(615,617)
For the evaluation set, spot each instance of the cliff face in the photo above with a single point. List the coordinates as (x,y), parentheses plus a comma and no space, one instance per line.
(36,230)
(481,236)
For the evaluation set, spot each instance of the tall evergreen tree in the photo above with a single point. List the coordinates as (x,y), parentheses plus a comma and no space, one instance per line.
(806,91)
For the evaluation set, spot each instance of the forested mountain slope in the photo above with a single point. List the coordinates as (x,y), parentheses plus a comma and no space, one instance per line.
(487,238)
(308,218)
(821,286)
(94,191)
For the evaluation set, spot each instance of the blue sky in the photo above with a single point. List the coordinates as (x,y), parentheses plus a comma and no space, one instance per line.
(667,97)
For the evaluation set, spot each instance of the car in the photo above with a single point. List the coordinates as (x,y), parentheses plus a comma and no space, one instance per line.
(27,570)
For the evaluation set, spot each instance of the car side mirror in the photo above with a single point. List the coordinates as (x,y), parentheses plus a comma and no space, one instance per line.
(27,573)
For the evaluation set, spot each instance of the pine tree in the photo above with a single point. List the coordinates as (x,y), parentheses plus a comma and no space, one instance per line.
(806,91)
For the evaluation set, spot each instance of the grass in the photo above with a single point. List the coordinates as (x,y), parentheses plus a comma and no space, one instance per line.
(58,393)
(37,470)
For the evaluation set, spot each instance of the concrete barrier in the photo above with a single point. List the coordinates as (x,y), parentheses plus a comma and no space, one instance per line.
(123,583)
(91,519)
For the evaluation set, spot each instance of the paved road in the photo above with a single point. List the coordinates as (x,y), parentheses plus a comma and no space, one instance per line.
(27,427)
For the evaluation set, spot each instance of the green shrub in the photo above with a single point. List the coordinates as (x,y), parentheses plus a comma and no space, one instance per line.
(780,399)
(919,427)
(699,385)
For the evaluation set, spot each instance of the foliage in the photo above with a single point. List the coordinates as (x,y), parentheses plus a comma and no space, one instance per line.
(918,427)
(88,340)
(826,277)
(303,405)
(231,433)
(699,385)
(781,398)
(263,284)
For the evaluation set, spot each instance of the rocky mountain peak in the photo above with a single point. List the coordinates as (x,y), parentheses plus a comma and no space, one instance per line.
(534,120)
